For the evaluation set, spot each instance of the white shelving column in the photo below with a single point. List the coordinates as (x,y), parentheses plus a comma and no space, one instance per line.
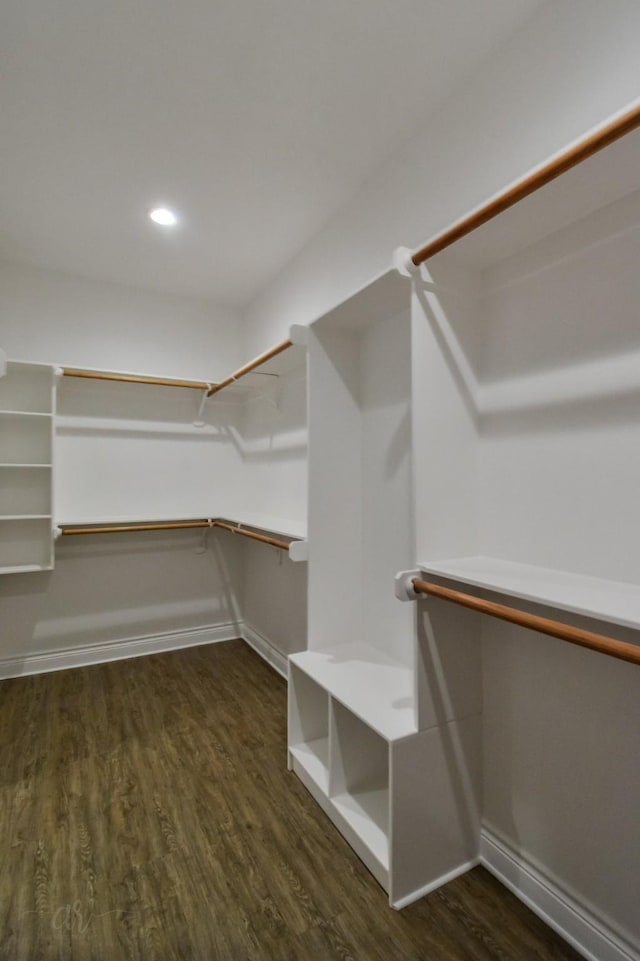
(27,407)
(389,752)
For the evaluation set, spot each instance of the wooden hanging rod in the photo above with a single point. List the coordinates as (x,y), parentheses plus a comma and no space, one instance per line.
(263,538)
(127,528)
(538,178)
(565,632)
(173,526)
(263,358)
(134,378)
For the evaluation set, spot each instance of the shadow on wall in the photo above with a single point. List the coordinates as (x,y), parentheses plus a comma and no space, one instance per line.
(449,689)
(114,588)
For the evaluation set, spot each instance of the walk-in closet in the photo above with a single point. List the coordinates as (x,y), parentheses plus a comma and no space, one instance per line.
(319,473)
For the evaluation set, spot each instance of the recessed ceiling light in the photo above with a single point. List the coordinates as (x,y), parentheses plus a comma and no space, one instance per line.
(164,217)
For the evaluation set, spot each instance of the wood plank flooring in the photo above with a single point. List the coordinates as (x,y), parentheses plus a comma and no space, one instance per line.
(147,813)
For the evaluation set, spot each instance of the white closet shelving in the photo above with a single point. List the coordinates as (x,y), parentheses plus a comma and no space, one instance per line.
(511,400)
(27,408)
(194,461)
(527,341)
(361,736)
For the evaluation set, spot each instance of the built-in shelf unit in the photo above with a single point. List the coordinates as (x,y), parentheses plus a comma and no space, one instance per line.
(363,737)
(477,419)
(27,408)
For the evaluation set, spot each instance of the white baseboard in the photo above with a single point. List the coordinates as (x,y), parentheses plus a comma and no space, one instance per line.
(433,885)
(590,935)
(139,646)
(117,650)
(265,649)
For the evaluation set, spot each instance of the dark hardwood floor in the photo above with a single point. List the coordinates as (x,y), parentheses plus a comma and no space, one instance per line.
(147,813)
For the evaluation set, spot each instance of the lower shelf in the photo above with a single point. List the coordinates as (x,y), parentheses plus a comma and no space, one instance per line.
(26,569)
(352,820)
(367,813)
(314,758)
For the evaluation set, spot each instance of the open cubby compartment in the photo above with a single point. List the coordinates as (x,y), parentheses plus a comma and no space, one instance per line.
(309,727)
(25,440)
(526,390)
(359,787)
(25,491)
(25,545)
(27,387)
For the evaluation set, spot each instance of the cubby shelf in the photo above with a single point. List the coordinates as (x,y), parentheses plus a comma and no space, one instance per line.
(373,686)
(367,814)
(344,764)
(613,601)
(313,756)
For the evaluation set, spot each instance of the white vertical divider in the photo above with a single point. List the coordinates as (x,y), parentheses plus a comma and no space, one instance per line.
(335,484)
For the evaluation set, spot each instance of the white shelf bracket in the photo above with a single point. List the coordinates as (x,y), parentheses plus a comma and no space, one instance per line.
(403,588)
(401,259)
(299,551)
(299,335)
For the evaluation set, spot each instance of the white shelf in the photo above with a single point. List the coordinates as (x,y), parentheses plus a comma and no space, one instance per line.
(26,569)
(16,465)
(373,686)
(314,758)
(367,814)
(272,525)
(26,388)
(612,601)
(25,413)
(25,517)
(26,544)
(268,523)
(603,179)
(138,519)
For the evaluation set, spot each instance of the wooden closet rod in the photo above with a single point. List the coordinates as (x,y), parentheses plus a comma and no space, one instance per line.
(134,378)
(268,354)
(263,538)
(565,632)
(539,178)
(127,528)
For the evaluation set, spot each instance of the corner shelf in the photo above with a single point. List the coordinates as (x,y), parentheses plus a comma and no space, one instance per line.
(613,601)
(345,766)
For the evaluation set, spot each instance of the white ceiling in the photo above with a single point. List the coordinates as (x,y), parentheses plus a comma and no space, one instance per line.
(256,119)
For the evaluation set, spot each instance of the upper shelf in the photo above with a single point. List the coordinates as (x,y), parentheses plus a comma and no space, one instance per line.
(595,183)
(612,601)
